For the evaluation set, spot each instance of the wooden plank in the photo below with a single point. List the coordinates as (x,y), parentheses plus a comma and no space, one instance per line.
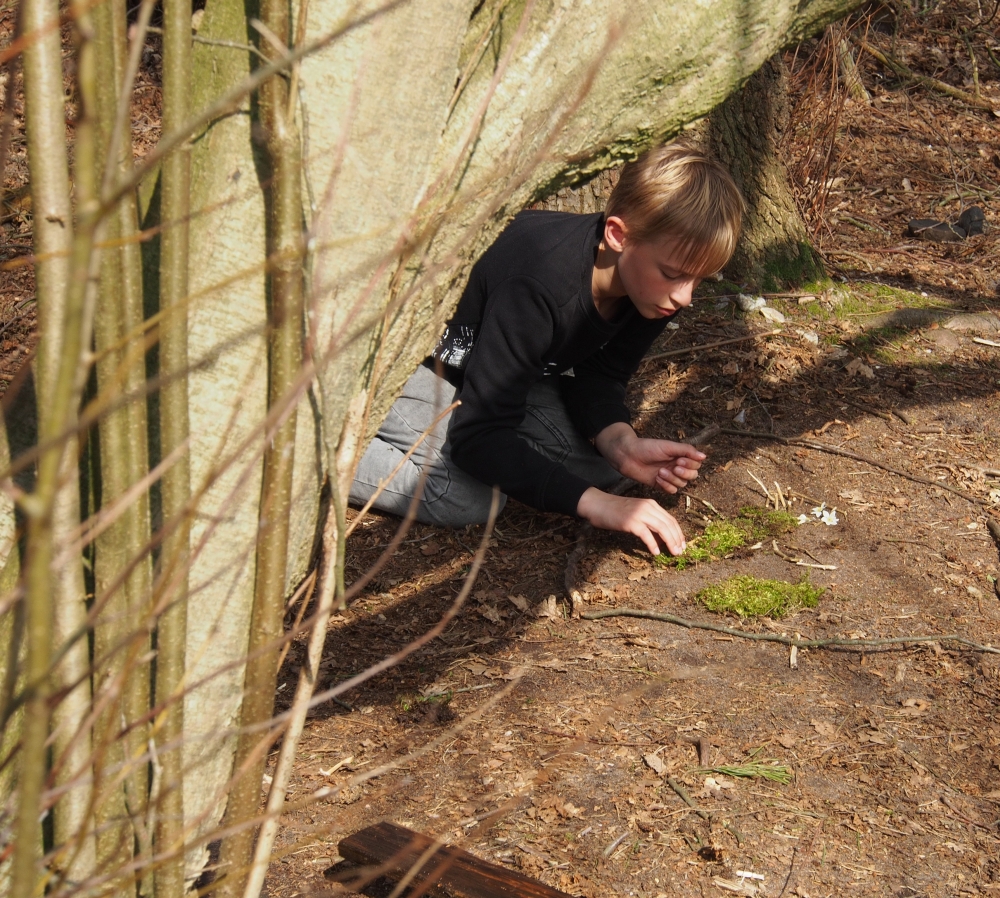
(448,871)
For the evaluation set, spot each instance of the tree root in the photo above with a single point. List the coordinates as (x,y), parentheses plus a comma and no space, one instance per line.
(833,642)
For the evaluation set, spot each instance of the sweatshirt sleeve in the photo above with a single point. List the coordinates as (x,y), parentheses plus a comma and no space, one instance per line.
(595,395)
(516,331)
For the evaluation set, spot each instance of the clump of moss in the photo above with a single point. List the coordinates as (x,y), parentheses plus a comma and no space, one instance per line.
(764,523)
(754,597)
(721,537)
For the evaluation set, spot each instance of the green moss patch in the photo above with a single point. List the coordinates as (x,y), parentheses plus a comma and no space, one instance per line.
(755,597)
(722,537)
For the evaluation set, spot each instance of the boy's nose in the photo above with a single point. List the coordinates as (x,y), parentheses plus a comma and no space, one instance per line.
(682,292)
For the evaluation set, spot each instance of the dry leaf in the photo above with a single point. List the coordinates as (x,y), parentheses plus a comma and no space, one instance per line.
(875,737)
(491,613)
(636,576)
(554,664)
(428,549)
(548,608)
(520,602)
(654,763)
(824,728)
(788,740)
(731,368)
(856,366)
(914,707)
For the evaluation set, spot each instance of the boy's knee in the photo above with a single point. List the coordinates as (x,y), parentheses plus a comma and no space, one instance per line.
(471,508)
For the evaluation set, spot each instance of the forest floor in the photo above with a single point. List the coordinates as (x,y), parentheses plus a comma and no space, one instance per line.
(580,752)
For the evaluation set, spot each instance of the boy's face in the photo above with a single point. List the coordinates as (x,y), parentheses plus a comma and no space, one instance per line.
(652,275)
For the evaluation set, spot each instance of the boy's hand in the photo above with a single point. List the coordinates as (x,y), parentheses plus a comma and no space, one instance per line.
(640,517)
(663,463)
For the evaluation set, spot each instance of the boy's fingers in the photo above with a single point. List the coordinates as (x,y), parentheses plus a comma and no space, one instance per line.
(647,538)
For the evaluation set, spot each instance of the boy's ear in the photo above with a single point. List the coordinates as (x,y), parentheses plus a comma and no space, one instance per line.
(615,233)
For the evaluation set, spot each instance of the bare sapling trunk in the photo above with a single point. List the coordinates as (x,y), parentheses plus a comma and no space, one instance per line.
(171,593)
(122,576)
(55,597)
(11,657)
(283,193)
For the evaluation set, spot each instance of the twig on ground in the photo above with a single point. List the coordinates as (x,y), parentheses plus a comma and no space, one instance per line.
(608,851)
(676,352)
(799,561)
(994,529)
(704,750)
(871,411)
(836,450)
(767,493)
(686,798)
(832,642)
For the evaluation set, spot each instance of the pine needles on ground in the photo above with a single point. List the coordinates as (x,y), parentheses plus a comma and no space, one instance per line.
(768,769)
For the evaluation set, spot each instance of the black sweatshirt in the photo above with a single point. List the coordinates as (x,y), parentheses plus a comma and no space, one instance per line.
(528,311)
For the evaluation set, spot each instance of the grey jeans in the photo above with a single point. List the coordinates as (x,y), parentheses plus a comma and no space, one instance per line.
(451,497)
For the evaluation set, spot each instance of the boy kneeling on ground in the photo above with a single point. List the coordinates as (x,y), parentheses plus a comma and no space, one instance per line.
(555,319)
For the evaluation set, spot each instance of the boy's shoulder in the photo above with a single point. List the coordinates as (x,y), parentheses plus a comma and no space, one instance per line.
(550,226)
(542,236)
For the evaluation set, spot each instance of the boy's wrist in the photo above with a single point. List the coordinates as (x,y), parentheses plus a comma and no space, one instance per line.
(612,441)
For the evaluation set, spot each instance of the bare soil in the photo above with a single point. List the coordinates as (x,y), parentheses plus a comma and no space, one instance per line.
(561,747)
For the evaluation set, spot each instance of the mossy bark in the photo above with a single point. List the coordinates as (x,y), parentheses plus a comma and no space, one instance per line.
(745,133)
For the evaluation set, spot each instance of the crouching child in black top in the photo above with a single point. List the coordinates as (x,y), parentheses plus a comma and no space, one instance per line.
(555,319)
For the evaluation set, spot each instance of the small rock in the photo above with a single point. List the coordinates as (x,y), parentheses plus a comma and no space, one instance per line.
(945,340)
(750,303)
(981,323)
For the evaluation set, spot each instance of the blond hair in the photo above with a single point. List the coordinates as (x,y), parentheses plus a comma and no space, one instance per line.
(677,191)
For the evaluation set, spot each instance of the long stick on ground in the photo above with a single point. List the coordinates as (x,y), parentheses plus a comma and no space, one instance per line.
(833,642)
(687,349)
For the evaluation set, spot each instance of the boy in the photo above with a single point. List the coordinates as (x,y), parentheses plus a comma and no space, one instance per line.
(555,319)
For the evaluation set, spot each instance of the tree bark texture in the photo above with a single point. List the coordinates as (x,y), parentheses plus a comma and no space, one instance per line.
(228,393)
(745,133)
